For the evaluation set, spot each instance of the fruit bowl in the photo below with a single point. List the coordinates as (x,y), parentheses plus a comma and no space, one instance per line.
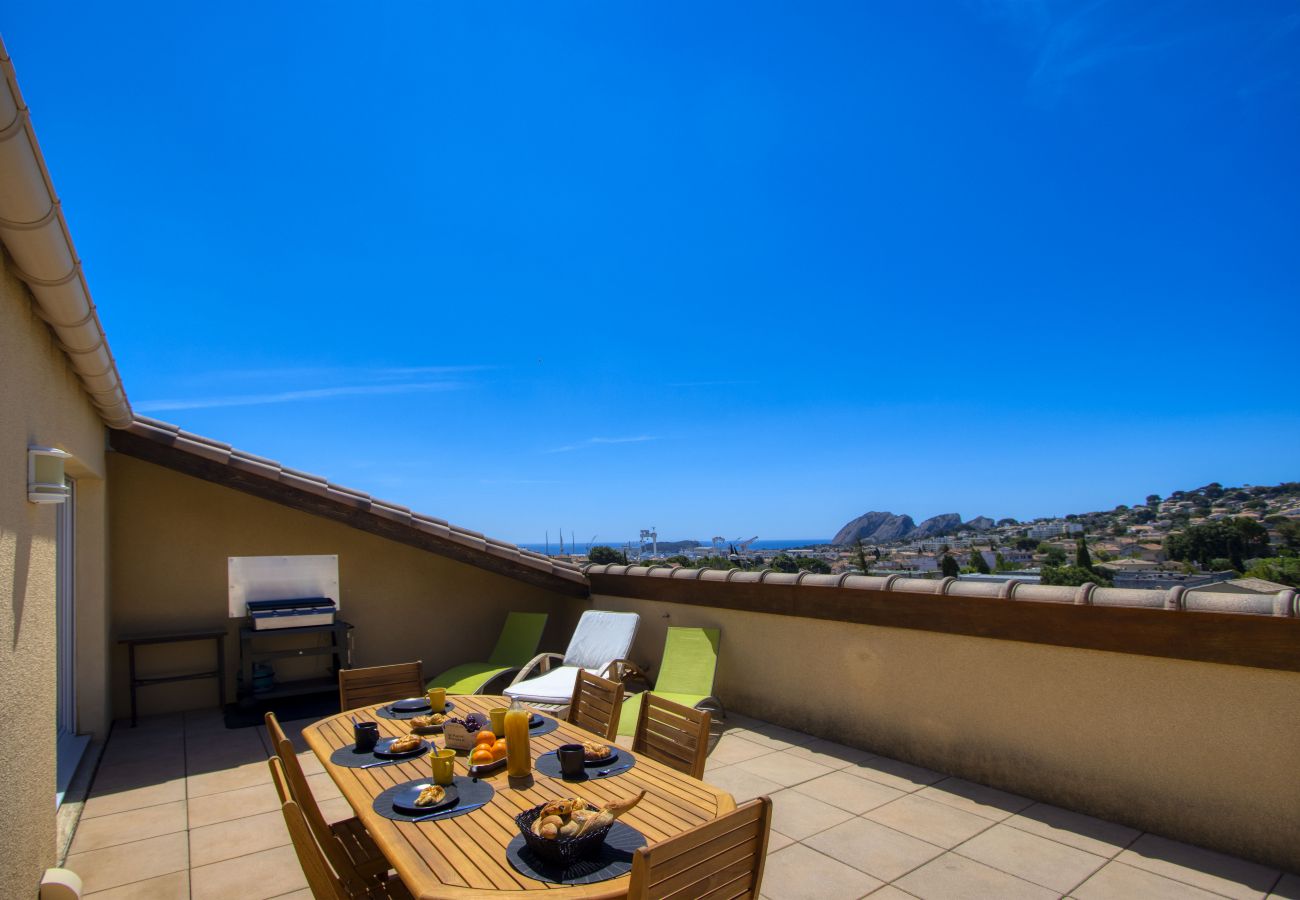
(560,851)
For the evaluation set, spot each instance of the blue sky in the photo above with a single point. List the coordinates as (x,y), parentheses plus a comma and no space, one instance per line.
(720,268)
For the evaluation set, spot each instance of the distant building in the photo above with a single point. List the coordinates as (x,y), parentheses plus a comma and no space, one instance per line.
(1045,530)
(1158,581)
(1003,577)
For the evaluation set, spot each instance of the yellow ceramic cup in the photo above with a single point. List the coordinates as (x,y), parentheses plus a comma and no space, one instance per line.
(437,698)
(498,716)
(443,766)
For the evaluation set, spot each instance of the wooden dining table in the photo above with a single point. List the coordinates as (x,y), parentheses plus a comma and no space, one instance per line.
(465,856)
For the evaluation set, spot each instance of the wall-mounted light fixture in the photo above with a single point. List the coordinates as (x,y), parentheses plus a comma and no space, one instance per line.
(45,482)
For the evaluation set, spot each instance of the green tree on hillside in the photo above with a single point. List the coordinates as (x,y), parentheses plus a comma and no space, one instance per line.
(1082,559)
(1233,539)
(603,554)
(1282,569)
(783,562)
(948,566)
(1153,499)
(1072,576)
(813,564)
(860,558)
(978,563)
(1053,556)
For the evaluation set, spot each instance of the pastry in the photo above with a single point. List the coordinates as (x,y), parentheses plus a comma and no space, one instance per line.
(431,796)
(405,744)
(591,750)
(427,721)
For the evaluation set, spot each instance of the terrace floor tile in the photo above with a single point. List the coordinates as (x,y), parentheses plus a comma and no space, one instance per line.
(733,748)
(1033,858)
(1206,869)
(800,816)
(936,823)
(953,877)
(173,886)
(895,773)
(801,873)
(258,876)
(831,754)
(980,799)
(742,785)
(1116,881)
(131,825)
(857,795)
(210,809)
(127,863)
(1075,829)
(783,768)
(871,847)
(238,837)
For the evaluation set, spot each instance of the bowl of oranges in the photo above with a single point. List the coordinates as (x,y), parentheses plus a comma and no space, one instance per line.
(489,753)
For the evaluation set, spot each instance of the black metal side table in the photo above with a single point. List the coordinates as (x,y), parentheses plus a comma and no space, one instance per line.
(176,637)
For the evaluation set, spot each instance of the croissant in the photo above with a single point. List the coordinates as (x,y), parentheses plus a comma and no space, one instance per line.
(403,744)
(590,820)
(430,796)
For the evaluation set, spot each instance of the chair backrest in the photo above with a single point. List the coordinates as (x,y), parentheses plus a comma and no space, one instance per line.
(519,639)
(672,734)
(324,884)
(300,792)
(719,859)
(690,661)
(274,730)
(596,704)
(378,684)
(600,638)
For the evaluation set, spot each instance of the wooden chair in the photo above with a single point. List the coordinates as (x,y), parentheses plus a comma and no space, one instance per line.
(719,860)
(596,704)
(321,878)
(378,684)
(673,734)
(348,846)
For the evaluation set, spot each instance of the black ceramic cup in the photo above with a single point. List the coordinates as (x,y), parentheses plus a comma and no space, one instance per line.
(366,735)
(571,760)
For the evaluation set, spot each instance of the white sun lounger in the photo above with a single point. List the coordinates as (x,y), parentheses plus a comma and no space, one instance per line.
(600,639)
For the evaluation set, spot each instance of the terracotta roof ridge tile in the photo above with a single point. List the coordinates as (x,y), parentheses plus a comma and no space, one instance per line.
(158,431)
(1283,603)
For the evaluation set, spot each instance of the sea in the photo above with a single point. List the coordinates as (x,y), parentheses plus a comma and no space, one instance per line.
(774,544)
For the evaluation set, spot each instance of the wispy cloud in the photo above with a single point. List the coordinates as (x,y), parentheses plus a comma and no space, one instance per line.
(680,384)
(336,373)
(1071,41)
(499,481)
(597,441)
(359,390)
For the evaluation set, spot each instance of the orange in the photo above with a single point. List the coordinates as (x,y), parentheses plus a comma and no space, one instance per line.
(499,750)
(485,737)
(480,756)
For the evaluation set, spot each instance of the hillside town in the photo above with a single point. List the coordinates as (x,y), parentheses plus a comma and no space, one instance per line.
(1244,539)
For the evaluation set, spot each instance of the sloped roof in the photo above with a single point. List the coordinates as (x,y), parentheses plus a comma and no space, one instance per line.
(168,445)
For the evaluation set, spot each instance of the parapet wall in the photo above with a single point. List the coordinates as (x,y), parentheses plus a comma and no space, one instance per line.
(1194,749)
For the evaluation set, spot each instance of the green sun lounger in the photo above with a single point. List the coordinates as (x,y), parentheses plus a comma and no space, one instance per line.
(685,675)
(516,646)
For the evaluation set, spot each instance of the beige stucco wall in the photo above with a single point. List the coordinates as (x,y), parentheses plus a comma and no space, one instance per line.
(171,536)
(1200,752)
(41,402)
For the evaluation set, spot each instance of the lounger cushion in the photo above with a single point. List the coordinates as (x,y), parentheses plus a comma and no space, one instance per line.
(600,638)
(468,678)
(556,686)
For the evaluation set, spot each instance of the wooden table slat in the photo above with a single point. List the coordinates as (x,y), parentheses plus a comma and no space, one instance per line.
(463,857)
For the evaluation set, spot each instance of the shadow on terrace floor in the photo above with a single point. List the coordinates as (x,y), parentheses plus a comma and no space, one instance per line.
(182,807)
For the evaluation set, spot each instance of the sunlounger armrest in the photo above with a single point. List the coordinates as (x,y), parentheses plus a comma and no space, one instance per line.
(542,660)
(623,668)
